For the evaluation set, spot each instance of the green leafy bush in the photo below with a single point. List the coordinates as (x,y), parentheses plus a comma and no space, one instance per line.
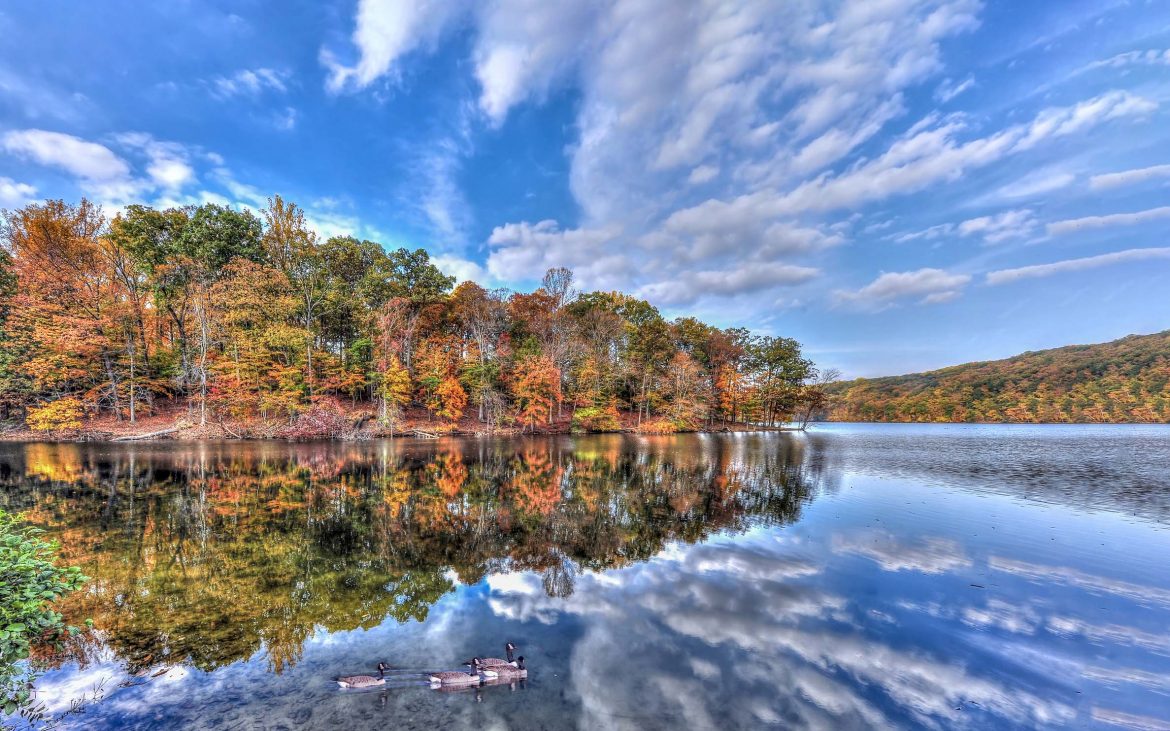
(29,581)
(596,419)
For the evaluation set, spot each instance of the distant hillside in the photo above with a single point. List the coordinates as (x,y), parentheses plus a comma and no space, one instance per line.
(1126,380)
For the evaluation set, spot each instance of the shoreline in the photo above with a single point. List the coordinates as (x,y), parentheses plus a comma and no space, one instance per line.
(25,436)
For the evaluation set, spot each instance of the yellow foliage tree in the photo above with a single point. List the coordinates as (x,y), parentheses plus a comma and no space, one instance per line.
(449,399)
(60,415)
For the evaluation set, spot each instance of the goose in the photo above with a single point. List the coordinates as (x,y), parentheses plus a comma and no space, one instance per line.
(364,681)
(458,678)
(511,670)
(488,662)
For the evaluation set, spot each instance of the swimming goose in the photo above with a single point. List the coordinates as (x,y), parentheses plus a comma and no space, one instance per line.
(364,681)
(456,677)
(509,670)
(490,661)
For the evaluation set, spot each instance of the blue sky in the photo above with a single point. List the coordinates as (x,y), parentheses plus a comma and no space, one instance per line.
(899,184)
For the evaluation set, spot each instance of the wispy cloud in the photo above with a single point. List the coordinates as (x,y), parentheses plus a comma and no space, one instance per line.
(1035,184)
(1005,276)
(1074,225)
(249,82)
(993,228)
(1152,57)
(928,285)
(1129,177)
(949,89)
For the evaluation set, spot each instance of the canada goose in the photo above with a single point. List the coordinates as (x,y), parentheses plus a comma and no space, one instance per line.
(364,681)
(457,678)
(488,662)
(509,670)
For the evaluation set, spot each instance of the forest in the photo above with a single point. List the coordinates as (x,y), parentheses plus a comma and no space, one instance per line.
(214,321)
(1126,380)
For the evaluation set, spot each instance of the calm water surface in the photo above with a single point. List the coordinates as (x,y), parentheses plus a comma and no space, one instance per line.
(853,577)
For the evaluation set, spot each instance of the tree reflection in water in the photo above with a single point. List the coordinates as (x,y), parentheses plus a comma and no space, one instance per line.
(205,554)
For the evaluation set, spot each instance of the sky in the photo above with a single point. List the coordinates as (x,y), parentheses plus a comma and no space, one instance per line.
(898,184)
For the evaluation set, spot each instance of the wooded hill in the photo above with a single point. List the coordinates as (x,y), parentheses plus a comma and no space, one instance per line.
(1126,380)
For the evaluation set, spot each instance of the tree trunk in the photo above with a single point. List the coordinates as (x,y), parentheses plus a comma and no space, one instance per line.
(113,384)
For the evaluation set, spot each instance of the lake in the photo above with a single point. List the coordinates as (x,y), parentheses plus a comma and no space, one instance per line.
(856,576)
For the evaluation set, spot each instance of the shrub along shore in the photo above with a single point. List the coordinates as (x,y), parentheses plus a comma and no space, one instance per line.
(212,322)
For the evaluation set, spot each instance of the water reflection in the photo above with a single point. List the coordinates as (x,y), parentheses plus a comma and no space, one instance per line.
(673,582)
(203,555)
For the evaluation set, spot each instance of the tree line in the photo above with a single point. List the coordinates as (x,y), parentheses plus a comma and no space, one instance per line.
(260,327)
(1126,380)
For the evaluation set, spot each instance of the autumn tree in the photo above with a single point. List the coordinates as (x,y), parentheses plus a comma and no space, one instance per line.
(537,388)
(394,391)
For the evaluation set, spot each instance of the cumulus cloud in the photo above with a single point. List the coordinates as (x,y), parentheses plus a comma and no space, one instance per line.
(98,169)
(168,163)
(1005,276)
(526,250)
(385,31)
(14,194)
(86,160)
(931,286)
(1076,225)
(462,269)
(1129,177)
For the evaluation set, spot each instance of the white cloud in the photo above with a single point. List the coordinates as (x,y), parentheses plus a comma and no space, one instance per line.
(14,194)
(100,172)
(433,189)
(710,141)
(1034,184)
(1150,57)
(931,286)
(689,287)
(249,82)
(525,251)
(702,174)
(1075,225)
(949,89)
(1064,121)
(1000,226)
(38,98)
(930,555)
(87,160)
(463,270)
(385,31)
(1129,177)
(523,46)
(993,229)
(1144,594)
(1004,276)
(168,163)
(929,234)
